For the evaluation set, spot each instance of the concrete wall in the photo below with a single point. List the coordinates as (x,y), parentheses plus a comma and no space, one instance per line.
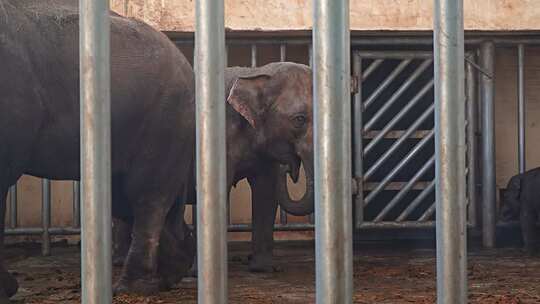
(276,15)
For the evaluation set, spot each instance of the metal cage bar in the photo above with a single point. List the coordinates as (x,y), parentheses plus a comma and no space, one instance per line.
(521,109)
(371,68)
(398,69)
(450,152)
(416,202)
(212,195)
(95,133)
(358,150)
(45,216)
(487,59)
(13,202)
(399,142)
(388,127)
(332,146)
(408,186)
(472,150)
(282,58)
(404,86)
(414,151)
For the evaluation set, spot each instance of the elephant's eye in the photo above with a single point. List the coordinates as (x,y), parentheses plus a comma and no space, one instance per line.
(299,121)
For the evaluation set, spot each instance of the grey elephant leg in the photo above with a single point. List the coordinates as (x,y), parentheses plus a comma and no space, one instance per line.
(264,207)
(121,240)
(528,229)
(140,273)
(8,284)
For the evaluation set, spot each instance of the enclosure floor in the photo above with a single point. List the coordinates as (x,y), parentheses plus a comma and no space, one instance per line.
(380,276)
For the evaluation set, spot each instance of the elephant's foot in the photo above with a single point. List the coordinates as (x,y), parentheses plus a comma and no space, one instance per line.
(9,285)
(118,260)
(142,286)
(262,263)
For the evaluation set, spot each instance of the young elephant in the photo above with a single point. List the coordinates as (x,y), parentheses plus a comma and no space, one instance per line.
(269,124)
(152,117)
(522,200)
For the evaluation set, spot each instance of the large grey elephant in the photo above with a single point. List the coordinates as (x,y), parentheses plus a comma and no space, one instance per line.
(269,128)
(152,113)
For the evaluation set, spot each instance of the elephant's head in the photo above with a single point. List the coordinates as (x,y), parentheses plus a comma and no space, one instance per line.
(510,199)
(276,101)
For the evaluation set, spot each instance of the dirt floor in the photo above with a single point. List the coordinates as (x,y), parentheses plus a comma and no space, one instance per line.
(381,275)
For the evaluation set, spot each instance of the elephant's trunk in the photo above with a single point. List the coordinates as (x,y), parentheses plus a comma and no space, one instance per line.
(303,206)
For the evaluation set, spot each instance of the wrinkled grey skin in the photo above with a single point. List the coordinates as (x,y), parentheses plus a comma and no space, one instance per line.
(152,113)
(522,200)
(269,128)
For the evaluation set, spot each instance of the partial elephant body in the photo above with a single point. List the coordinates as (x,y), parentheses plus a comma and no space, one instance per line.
(522,200)
(152,117)
(269,117)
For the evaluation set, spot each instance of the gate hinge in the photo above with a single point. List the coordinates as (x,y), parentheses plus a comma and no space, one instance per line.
(354,84)
(354,186)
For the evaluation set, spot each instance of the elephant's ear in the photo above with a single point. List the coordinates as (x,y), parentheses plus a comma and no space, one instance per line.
(246,97)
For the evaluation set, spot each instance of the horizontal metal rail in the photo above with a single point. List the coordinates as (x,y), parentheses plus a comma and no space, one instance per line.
(406,188)
(373,41)
(395,186)
(399,116)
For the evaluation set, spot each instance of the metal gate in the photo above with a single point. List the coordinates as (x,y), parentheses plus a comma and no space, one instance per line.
(394,148)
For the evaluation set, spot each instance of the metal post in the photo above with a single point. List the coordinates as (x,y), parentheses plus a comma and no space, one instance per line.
(211,160)
(521,108)
(45,216)
(253,55)
(332,143)
(95,131)
(358,148)
(471,141)
(487,59)
(13,206)
(450,152)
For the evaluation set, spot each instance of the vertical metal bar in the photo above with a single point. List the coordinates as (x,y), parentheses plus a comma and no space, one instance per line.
(311,217)
(471,141)
(450,152)
(282,58)
(45,216)
(253,55)
(283,52)
(358,148)
(95,114)
(76,204)
(13,202)
(211,161)
(488,147)
(521,108)
(332,116)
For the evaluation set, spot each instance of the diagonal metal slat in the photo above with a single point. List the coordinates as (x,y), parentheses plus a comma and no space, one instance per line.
(398,117)
(406,84)
(398,142)
(402,65)
(421,144)
(429,212)
(416,202)
(399,196)
(371,68)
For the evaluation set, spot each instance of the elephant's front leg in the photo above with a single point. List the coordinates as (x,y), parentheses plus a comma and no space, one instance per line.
(264,206)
